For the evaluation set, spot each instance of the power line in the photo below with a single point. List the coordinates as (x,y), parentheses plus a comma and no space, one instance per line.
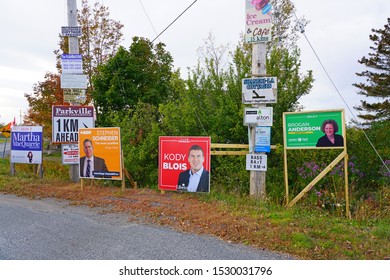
(158,35)
(150,21)
(175,20)
(302,29)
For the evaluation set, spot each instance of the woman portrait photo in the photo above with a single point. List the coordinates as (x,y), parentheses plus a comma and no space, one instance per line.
(330,139)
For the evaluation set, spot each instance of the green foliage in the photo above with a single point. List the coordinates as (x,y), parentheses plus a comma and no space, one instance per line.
(229,175)
(292,85)
(140,74)
(302,240)
(140,136)
(365,157)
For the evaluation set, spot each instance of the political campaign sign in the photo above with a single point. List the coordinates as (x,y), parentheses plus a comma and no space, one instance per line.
(314,129)
(184,163)
(100,153)
(26,144)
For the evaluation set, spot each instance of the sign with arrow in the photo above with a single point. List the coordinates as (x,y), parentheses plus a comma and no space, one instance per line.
(259,90)
(67,120)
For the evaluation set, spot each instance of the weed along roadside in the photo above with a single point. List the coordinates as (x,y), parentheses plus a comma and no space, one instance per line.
(303,231)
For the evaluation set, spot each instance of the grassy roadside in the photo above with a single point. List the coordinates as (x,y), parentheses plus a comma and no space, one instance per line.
(302,231)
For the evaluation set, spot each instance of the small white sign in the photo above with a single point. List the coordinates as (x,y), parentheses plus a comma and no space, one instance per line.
(259,90)
(262,116)
(73,81)
(70,153)
(256,162)
(72,64)
(71,31)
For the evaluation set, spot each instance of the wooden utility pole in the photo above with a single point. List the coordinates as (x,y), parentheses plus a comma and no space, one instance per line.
(73,49)
(257,178)
(72,22)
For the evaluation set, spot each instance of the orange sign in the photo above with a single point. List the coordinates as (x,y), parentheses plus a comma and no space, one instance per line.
(100,153)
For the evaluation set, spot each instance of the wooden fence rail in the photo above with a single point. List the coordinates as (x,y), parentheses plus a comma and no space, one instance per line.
(218,149)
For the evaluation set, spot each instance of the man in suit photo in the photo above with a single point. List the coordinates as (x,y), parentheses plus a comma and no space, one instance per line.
(90,163)
(195,179)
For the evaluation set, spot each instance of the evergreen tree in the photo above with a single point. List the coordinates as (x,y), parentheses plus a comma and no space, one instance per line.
(377,84)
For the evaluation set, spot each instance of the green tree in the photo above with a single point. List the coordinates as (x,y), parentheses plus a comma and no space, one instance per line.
(377,83)
(140,74)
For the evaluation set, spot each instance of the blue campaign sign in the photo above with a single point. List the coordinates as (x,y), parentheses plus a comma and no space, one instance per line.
(26,144)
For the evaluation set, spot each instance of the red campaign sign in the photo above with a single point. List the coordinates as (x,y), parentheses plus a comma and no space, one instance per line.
(181,157)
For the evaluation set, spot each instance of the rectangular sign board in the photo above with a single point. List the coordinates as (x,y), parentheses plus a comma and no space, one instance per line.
(263,139)
(26,144)
(70,31)
(74,95)
(70,153)
(259,90)
(72,64)
(308,130)
(100,148)
(256,162)
(262,116)
(67,120)
(258,21)
(178,157)
(73,81)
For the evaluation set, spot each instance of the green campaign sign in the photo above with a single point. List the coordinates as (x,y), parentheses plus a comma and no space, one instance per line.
(314,129)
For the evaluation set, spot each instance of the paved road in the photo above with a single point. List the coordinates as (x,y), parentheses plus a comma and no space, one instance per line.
(52,230)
